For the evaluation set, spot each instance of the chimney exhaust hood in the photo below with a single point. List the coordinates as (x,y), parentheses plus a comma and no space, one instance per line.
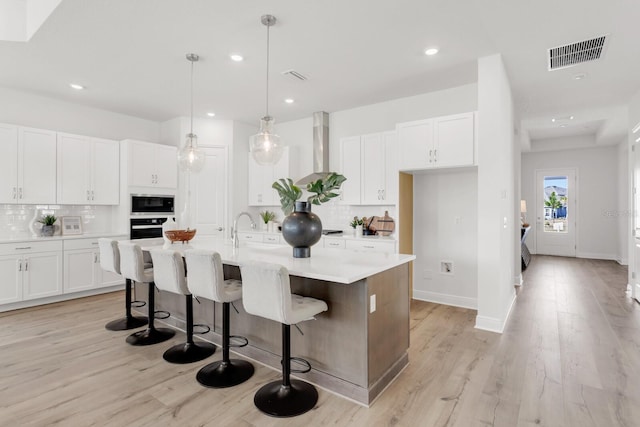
(320,148)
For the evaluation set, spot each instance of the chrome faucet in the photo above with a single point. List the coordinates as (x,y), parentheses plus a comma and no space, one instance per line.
(234,229)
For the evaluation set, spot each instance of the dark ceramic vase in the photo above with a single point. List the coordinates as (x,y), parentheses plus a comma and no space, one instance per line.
(302,229)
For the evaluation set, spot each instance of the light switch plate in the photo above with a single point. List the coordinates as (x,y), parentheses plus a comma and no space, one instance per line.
(372,303)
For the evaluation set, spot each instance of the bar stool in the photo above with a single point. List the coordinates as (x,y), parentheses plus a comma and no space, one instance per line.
(267,293)
(110,261)
(132,267)
(169,275)
(206,279)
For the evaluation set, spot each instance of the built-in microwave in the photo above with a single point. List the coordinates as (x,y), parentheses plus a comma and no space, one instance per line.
(144,204)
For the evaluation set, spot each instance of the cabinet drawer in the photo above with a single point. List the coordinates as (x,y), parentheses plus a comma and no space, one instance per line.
(92,243)
(371,246)
(271,238)
(30,247)
(335,243)
(250,237)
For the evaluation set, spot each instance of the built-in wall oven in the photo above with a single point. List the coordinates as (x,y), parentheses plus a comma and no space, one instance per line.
(148,213)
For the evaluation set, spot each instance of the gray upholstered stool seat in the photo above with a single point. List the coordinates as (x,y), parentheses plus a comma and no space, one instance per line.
(206,280)
(132,266)
(267,293)
(110,261)
(169,275)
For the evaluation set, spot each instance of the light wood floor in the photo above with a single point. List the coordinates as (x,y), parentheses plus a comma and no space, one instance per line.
(569,357)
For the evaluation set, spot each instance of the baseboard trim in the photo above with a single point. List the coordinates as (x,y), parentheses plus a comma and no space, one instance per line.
(493,324)
(59,298)
(593,255)
(446,299)
(517,280)
(622,261)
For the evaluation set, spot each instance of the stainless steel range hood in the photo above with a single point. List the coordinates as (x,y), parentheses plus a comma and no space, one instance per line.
(320,148)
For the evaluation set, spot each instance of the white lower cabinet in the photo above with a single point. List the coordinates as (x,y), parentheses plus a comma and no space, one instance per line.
(82,269)
(370,245)
(30,270)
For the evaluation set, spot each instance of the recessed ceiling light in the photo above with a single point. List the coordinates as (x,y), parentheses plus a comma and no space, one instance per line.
(76,86)
(211,114)
(580,76)
(289,101)
(431,51)
(235,57)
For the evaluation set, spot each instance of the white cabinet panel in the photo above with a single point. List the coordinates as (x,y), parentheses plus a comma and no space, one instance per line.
(273,239)
(415,143)
(390,195)
(11,284)
(80,270)
(152,165)
(335,243)
(105,177)
(9,164)
(373,184)
(454,140)
(370,245)
(74,170)
(351,168)
(42,275)
(37,166)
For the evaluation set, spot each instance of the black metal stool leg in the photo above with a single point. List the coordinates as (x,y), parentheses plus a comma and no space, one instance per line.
(129,321)
(190,351)
(226,372)
(286,398)
(151,335)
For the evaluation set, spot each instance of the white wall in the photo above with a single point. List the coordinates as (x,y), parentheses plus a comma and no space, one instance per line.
(446,229)
(496,221)
(633,255)
(624,212)
(27,109)
(597,199)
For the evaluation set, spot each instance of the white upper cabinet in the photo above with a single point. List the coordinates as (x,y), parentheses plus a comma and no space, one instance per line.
(88,170)
(351,168)
(447,141)
(28,165)
(369,164)
(262,177)
(152,165)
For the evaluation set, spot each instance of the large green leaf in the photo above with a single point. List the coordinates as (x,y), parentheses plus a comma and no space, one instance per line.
(324,188)
(288,192)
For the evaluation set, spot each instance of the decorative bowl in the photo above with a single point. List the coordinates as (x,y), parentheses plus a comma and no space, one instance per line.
(180,235)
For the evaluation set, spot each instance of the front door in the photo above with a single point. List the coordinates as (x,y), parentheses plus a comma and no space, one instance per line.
(555,212)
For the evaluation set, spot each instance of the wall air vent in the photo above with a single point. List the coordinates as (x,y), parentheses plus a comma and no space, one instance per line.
(576,53)
(293,74)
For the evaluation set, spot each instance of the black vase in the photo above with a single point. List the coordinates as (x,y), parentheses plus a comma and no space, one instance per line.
(302,229)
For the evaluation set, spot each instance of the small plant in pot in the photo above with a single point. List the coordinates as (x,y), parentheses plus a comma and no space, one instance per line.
(356,224)
(48,227)
(301,228)
(267,216)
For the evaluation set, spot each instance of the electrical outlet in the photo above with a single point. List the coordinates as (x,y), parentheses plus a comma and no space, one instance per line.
(446,267)
(372,303)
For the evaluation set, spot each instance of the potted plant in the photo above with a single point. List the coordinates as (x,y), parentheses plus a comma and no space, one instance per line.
(266,217)
(356,224)
(47,222)
(301,228)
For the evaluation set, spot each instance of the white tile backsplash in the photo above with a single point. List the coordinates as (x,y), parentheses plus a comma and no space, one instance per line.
(21,220)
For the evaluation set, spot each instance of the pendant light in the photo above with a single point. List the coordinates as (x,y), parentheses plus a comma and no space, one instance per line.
(190,158)
(266,147)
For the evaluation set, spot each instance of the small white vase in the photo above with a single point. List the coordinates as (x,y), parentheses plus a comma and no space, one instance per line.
(358,231)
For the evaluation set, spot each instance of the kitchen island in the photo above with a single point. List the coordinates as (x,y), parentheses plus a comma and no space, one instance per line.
(356,348)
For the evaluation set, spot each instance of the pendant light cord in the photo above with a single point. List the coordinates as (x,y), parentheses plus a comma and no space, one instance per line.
(191,138)
(267,100)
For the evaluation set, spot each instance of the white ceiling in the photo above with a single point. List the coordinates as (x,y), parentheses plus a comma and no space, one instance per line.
(130,55)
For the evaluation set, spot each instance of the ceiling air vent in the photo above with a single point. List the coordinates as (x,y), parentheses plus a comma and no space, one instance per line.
(293,74)
(577,53)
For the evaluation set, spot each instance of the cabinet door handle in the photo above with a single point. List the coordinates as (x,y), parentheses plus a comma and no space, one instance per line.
(20,265)
(23,248)
(20,193)
(435,156)
(88,195)
(95,258)
(15,193)
(26,265)
(368,247)
(220,228)
(383,196)
(430,156)
(93,197)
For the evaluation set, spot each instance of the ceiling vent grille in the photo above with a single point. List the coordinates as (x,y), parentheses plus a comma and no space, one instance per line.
(293,74)
(577,53)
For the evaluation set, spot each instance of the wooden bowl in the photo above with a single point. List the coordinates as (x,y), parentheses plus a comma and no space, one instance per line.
(180,235)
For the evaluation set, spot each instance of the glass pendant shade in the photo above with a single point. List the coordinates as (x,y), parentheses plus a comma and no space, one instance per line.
(266,147)
(190,158)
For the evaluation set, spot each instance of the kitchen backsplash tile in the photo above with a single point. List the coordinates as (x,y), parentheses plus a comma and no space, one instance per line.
(21,220)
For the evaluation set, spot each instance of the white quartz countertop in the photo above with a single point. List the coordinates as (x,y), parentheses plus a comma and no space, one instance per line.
(346,235)
(28,238)
(341,266)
